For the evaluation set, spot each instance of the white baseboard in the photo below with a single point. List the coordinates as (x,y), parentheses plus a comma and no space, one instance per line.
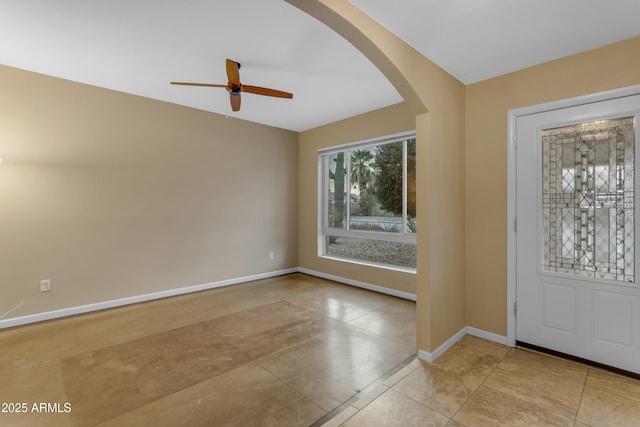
(490,336)
(55,314)
(430,357)
(467,330)
(422,354)
(364,285)
(71,311)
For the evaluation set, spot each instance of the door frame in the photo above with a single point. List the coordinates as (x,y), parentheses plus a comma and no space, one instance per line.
(512,117)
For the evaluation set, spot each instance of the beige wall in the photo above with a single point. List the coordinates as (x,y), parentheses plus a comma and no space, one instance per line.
(487,104)
(111,195)
(390,120)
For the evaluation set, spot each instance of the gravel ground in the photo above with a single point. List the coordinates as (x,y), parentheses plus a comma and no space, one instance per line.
(401,254)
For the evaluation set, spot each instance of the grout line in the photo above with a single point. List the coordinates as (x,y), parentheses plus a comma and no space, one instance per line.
(584,387)
(398,376)
(377,334)
(342,417)
(483,381)
(356,396)
(371,394)
(330,415)
(425,405)
(293,389)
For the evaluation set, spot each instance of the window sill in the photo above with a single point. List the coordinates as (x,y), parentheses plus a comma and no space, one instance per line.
(371,264)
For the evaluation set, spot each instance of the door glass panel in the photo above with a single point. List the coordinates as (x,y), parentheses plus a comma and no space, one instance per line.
(588,199)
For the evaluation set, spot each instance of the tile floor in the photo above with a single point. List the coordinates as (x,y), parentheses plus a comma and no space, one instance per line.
(481,383)
(289,351)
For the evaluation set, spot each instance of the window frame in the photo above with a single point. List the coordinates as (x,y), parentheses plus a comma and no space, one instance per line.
(404,236)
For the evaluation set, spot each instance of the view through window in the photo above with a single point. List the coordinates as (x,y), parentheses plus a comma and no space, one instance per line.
(368,201)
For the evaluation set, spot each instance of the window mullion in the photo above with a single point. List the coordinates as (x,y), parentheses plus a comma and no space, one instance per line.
(347,162)
(324,188)
(404,186)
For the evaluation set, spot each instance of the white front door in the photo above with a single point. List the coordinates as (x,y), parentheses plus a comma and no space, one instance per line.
(577,240)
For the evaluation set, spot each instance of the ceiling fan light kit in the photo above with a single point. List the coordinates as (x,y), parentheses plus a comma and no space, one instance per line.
(234,87)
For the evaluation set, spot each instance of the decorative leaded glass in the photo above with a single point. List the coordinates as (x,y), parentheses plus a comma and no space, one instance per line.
(588,199)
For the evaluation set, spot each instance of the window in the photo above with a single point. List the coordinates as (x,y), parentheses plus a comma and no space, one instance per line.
(368,202)
(588,199)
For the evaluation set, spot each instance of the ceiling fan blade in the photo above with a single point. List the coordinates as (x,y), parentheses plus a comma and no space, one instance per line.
(233,73)
(235,88)
(266,91)
(197,84)
(234,98)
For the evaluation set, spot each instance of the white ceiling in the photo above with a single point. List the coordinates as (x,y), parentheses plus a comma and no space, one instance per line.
(478,39)
(138,46)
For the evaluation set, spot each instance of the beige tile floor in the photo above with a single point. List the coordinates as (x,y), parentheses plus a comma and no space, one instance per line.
(289,351)
(481,383)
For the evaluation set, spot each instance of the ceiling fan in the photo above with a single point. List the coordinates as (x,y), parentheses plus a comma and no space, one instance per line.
(234,87)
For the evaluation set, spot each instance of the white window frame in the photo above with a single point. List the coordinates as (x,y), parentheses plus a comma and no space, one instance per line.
(323,200)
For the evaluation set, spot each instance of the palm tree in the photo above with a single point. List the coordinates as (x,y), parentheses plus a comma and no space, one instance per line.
(362,173)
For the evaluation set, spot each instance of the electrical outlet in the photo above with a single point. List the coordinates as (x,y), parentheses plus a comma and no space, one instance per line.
(45,285)
(272,255)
